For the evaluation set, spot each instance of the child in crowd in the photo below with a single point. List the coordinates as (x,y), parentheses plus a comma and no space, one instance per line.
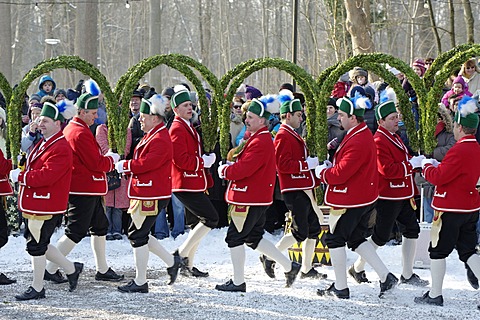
(459,88)
(46,86)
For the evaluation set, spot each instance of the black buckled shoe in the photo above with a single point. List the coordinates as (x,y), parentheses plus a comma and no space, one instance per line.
(334,292)
(231,287)
(414,280)
(193,272)
(389,284)
(31,294)
(268,266)
(313,274)
(110,275)
(291,275)
(132,287)
(4,280)
(425,299)
(472,279)
(173,270)
(56,277)
(360,277)
(73,278)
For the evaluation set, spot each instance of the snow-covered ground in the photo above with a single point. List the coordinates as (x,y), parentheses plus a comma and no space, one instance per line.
(193,298)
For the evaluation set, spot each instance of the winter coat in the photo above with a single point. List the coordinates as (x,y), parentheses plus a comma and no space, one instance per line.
(41,92)
(450,92)
(473,82)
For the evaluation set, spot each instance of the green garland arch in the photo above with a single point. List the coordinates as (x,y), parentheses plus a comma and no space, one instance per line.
(7,94)
(439,62)
(209,119)
(372,60)
(435,93)
(305,80)
(61,62)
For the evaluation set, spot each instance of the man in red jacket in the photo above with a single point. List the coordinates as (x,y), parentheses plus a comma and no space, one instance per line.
(296,184)
(250,192)
(456,201)
(43,197)
(396,191)
(86,212)
(351,192)
(149,191)
(189,178)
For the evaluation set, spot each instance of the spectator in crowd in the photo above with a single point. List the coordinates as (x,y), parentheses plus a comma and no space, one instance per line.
(31,134)
(46,86)
(60,94)
(471,74)
(359,78)
(335,130)
(459,88)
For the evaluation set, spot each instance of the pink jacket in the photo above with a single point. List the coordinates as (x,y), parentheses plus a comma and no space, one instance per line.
(115,198)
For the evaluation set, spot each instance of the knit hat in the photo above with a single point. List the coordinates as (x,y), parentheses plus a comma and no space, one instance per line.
(59,92)
(252,92)
(156,105)
(288,103)
(420,64)
(168,92)
(264,106)
(466,113)
(89,100)
(287,86)
(35,97)
(354,106)
(386,105)
(65,109)
(181,95)
(357,71)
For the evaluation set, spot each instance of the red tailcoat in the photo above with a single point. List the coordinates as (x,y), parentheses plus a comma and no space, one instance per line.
(5,167)
(45,183)
(188,174)
(89,165)
(353,179)
(150,169)
(291,153)
(252,176)
(456,177)
(396,173)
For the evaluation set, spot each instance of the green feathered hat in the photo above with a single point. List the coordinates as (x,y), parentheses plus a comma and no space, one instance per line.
(89,100)
(466,113)
(181,94)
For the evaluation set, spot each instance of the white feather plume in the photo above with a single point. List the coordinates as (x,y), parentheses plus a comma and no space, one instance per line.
(466,106)
(179,87)
(158,104)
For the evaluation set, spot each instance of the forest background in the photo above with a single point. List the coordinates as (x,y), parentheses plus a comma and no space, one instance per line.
(116,34)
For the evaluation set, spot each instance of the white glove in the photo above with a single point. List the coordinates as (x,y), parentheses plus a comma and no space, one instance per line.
(14,175)
(328,164)
(119,166)
(209,159)
(416,162)
(312,162)
(113,155)
(319,169)
(220,170)
(433,162)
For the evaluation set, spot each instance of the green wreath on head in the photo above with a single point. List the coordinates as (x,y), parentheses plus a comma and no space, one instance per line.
(373,62)
(61,62)
(209,123)
(307,85)
(435,93)
(440,61)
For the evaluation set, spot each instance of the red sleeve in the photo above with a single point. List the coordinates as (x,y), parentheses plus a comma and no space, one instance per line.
(181,157)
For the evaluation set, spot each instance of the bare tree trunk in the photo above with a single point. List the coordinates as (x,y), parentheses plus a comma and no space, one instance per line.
(6,40)
(469,22)
(155,44)
(86,37)
(358,26)
(451,8)
(433,25)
